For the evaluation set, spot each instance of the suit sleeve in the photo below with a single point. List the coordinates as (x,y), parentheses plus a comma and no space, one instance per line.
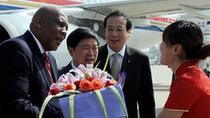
(15,67)
(146,98)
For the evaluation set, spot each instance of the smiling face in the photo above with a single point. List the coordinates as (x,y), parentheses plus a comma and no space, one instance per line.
(50,27)
(166,54)
(54,32)
(171,55)
(86,52)
(116,33)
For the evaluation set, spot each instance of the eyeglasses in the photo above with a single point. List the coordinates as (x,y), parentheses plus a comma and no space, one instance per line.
(118,30)
(88,48)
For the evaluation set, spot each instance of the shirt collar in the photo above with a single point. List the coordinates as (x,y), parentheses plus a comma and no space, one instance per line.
(111,52)
(185,65)
(72,64)
(38,43)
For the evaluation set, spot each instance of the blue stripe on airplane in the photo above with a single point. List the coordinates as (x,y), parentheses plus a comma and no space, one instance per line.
(7,7)
(154,28)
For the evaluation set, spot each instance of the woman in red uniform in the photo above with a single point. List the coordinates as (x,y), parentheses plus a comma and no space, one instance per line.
(181,49)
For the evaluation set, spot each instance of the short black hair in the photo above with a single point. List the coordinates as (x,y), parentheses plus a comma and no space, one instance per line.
(80,34)
(118,13)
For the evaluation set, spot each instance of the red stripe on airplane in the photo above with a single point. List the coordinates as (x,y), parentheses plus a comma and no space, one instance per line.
(162,19)
(58,2)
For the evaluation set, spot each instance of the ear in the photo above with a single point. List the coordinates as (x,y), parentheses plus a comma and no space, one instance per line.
(130,31)
(38,23)
(177,49)
(71,50)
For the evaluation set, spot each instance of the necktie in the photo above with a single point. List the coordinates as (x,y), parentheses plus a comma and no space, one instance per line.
(115,67)
(48,66)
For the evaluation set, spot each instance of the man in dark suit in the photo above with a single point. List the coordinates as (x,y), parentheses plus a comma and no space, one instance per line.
(138,88)
(82,45)
(24,77)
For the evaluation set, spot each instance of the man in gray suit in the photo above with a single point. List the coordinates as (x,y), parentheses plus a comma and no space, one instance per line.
(24,76)
(138,88)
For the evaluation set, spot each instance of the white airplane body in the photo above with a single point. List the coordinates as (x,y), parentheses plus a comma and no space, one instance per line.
(143,13)
(17,22)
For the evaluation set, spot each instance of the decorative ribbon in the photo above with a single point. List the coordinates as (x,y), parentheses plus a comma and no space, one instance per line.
(116,92)
(97,64)
(47,99)
(100,98)
(71,105)
(106,63)
(98,94)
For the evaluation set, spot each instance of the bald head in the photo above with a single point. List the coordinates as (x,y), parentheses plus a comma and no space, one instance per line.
(49,24)
(45,14)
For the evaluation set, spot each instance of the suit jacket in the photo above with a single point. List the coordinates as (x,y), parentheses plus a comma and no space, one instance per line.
(24,78)
(138,87)
(65,69)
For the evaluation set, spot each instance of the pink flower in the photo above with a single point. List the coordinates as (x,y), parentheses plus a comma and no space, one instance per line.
(54,89)
(110,82)
(84,79)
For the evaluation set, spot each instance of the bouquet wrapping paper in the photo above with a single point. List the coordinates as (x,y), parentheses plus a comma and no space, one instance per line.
(87,105)
(87,92)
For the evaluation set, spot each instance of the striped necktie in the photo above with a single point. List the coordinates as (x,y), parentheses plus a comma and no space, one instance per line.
(115,67)
(48,66)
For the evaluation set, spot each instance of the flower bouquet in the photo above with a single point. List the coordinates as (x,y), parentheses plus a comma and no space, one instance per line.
(87,92)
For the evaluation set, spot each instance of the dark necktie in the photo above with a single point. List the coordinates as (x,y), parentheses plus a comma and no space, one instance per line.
(115,67)
(48,66)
